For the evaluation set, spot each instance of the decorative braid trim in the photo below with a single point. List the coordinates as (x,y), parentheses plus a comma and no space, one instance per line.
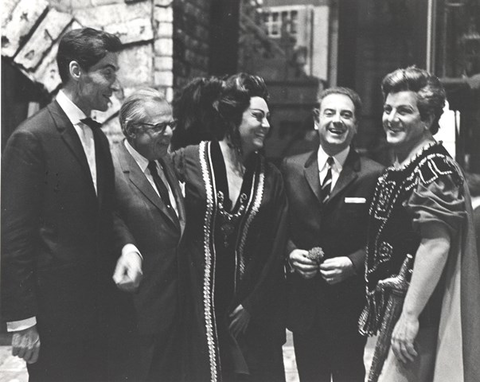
(257,201)
(426,171)
(208,280)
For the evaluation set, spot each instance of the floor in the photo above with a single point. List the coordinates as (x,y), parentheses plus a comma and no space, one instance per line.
(12,369)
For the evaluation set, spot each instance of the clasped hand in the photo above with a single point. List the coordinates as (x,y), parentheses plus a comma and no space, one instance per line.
(128,272)
(333,270)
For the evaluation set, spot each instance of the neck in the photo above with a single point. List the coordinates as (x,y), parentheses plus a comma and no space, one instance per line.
(330,152)
(72,94)
(404,156)
(232,157)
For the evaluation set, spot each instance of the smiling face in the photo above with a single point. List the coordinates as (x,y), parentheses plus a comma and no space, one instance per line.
(146,140)
(402,123)
(95,86)
(336,123)
(254,126)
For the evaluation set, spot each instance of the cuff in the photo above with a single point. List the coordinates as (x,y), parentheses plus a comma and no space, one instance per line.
(16,326)
(127,248)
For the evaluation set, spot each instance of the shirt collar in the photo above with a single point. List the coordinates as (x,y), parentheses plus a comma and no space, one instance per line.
(139,158)
(72,111)
(339,158)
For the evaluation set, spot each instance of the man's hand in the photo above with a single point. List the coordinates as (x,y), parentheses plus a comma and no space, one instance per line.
(128,272)
(336,269)
(26,344)
(239,320)
(306,267)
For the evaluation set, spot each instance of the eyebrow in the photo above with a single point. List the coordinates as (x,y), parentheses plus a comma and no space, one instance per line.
(260,111)
(110,66)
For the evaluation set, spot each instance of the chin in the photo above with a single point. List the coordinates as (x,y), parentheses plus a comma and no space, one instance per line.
(393,140)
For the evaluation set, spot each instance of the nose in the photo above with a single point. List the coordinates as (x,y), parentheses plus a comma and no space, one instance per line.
(168,131)
(391,116)
(265,123)
(336,118)
(117,88)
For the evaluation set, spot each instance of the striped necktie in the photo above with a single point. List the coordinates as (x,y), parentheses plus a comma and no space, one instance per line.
(327,182)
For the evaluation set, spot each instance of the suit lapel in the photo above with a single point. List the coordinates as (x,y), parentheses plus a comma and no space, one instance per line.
(138,178)
(312,176)
(71,138)
(177,192)
(348,174)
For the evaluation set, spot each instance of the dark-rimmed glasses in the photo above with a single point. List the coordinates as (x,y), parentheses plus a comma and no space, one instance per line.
(158,128)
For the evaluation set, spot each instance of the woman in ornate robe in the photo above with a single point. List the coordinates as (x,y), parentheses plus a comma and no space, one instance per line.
(236,233)
(422,269)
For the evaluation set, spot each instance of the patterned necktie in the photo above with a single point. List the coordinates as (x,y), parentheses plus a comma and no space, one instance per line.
(162,189)
(91,123)
(327,182)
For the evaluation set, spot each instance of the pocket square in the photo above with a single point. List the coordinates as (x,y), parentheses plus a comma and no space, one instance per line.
(356,200)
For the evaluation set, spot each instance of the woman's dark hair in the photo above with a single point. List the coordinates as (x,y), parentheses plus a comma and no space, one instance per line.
(86,46)
(210,108)
(429,89)
(235,99)
(193,108)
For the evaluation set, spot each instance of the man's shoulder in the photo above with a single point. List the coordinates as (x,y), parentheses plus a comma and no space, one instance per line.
(37,122)
(298,159)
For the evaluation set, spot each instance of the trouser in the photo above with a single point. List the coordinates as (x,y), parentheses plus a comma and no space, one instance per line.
(73,362)
(323,354)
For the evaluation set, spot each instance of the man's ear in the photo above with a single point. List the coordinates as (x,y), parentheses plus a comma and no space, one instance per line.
(316,118)
(74,70)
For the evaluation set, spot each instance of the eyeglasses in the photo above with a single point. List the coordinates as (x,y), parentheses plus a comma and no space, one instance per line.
(159,128)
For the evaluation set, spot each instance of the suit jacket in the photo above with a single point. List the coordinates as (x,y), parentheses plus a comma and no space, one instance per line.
(339,227)
(148,224)
(56,232)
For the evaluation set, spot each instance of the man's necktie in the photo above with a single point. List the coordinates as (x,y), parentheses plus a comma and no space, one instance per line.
(91,123)
(161,187)
(327,182)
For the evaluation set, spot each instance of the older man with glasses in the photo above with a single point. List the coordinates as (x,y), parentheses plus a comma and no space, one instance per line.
(150,203)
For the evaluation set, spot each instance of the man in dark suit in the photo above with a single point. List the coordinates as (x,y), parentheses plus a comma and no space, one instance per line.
(150,202)
(329,191)
(57,203)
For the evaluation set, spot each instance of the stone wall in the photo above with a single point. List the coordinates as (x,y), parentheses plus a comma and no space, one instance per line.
(166,42)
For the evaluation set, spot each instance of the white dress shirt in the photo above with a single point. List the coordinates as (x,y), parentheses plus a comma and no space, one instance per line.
(338,162)
(84,132)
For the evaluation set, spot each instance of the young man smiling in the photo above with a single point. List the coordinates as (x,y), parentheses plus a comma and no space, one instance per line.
(57,203)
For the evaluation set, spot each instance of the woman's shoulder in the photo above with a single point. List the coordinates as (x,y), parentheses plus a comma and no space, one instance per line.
(438,164)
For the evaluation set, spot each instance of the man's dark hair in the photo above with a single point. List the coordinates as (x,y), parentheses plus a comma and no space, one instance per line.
(87,46)
(352,94)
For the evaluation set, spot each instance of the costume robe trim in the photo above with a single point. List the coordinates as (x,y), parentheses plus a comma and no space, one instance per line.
(430,164)
(257,201)
(208,280)
(252,209)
